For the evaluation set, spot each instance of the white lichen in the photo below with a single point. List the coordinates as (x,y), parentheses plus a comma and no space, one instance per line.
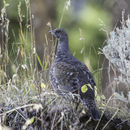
(117,50)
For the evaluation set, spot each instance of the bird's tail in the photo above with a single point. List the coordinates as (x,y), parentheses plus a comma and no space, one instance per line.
(95,113)
(91,106)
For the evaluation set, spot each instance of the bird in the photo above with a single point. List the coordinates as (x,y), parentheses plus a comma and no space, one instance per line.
(69,75)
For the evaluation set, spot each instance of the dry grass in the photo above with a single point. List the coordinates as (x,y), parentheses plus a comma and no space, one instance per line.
(27,100)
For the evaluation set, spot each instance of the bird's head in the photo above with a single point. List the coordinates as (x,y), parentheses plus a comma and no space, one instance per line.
(60,34)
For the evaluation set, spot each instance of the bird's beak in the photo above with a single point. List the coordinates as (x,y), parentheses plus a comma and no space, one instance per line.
(52,32)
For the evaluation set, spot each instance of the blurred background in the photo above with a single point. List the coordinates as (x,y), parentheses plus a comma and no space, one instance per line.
(87,23)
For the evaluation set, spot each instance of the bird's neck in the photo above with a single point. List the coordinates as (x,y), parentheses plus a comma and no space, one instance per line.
(62,47)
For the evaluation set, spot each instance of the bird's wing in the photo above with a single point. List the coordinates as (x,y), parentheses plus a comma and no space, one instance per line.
(66,75)
(73,75)
(86,75)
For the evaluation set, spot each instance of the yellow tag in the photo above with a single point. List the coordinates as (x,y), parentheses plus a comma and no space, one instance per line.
(89,85)
(43,85)
(84,88)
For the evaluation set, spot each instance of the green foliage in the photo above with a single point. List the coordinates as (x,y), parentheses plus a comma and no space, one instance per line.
(21,83)
(19,41)
(39,61)
(12,9)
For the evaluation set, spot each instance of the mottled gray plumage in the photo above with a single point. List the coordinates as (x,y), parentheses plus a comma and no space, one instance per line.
(68,74)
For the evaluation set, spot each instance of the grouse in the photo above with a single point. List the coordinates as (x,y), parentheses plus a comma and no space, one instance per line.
(69,75)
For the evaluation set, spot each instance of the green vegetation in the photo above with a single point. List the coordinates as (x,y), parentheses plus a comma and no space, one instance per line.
(27,99)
